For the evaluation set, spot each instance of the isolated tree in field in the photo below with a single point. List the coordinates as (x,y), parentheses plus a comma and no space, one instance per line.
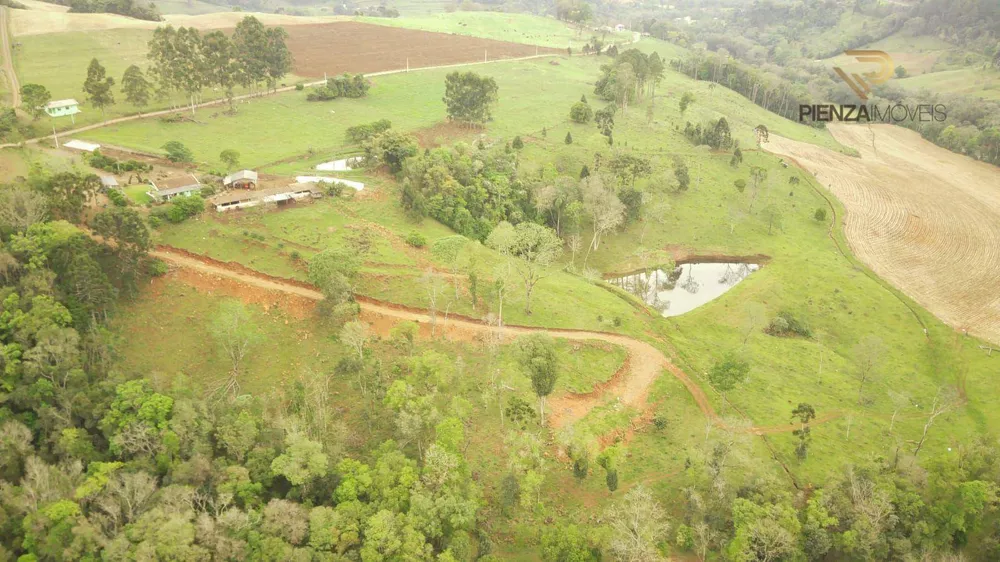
(517,143)
(868,354)
(334,271)
(605,120)
(581,112)
(602,205)
(33,98)
(177,152)
(804,413)
(772,216)
(761,133)
(737,158)
(943,403)
(569,138)
(681,175)
(230,158)
(469,97)
(98,86)
(278,61)
(537,356)
(899,400)
(758,176)
(728,373)
(686,100)
(532,247)
(135,87)
(638,524)
(820,214)
(753,319)
(355,335)
(236,332)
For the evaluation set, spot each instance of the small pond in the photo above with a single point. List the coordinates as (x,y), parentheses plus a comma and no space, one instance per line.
(685,287)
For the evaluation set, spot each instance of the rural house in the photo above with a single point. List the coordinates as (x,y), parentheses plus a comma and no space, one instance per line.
(165,190)
(244,179)
(61,108)
(277,195)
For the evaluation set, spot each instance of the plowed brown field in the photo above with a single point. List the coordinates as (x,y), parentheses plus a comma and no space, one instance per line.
(925,219)
(340,47)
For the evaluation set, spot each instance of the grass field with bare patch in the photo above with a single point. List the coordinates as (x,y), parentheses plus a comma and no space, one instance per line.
(925,219)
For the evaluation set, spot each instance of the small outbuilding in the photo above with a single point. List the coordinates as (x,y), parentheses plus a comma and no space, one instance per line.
(244,179)
(109,182)
(62,108)
(177,186)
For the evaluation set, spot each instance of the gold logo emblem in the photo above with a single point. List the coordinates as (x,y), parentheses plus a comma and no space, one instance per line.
(862,84)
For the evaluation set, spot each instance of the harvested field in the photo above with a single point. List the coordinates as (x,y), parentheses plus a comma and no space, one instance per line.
(340,47)
(923,218)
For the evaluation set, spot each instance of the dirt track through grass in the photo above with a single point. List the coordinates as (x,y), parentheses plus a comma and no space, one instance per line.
(645,361)
(925,219)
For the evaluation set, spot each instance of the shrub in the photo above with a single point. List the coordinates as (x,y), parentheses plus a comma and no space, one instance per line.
(157,267)
(569,138)
(517,144)
(820,214)
(334,189)
(740,185)
(786,324)
(182,208)
(581,112)
(177,152)
(660,422)
(299,87)
(365,131)
(343,86)
(117,197)
(295,255)
(154,221)
(416,240)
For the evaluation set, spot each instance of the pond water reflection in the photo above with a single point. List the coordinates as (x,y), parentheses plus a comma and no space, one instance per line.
(686,287)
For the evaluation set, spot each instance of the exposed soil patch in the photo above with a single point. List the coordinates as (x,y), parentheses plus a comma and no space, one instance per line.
(441,134)
(335,48)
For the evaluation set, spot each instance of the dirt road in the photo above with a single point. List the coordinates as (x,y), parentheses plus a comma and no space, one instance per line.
(645,362)
(8,58)
(923,218)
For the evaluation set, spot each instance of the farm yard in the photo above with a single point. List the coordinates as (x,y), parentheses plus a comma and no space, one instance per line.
(335,48)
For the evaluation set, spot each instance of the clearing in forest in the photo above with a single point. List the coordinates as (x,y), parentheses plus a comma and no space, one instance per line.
(923,218)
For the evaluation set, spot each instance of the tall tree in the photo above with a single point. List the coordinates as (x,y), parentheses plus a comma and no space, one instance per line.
(136,87)
(221,64)
(251,43)
(98,86)
(638,525)
(537,356)
(469,97)
(868,354)
(191,59)
(531,246)
(34,97)
(279,58)
(236,332)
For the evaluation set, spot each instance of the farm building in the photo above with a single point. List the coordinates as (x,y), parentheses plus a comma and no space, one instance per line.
(278,195)
(108,182)
(165,190)
(61,108)
(244,179)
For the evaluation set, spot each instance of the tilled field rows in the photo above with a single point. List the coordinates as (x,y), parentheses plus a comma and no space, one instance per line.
(335,48)
(923,218)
